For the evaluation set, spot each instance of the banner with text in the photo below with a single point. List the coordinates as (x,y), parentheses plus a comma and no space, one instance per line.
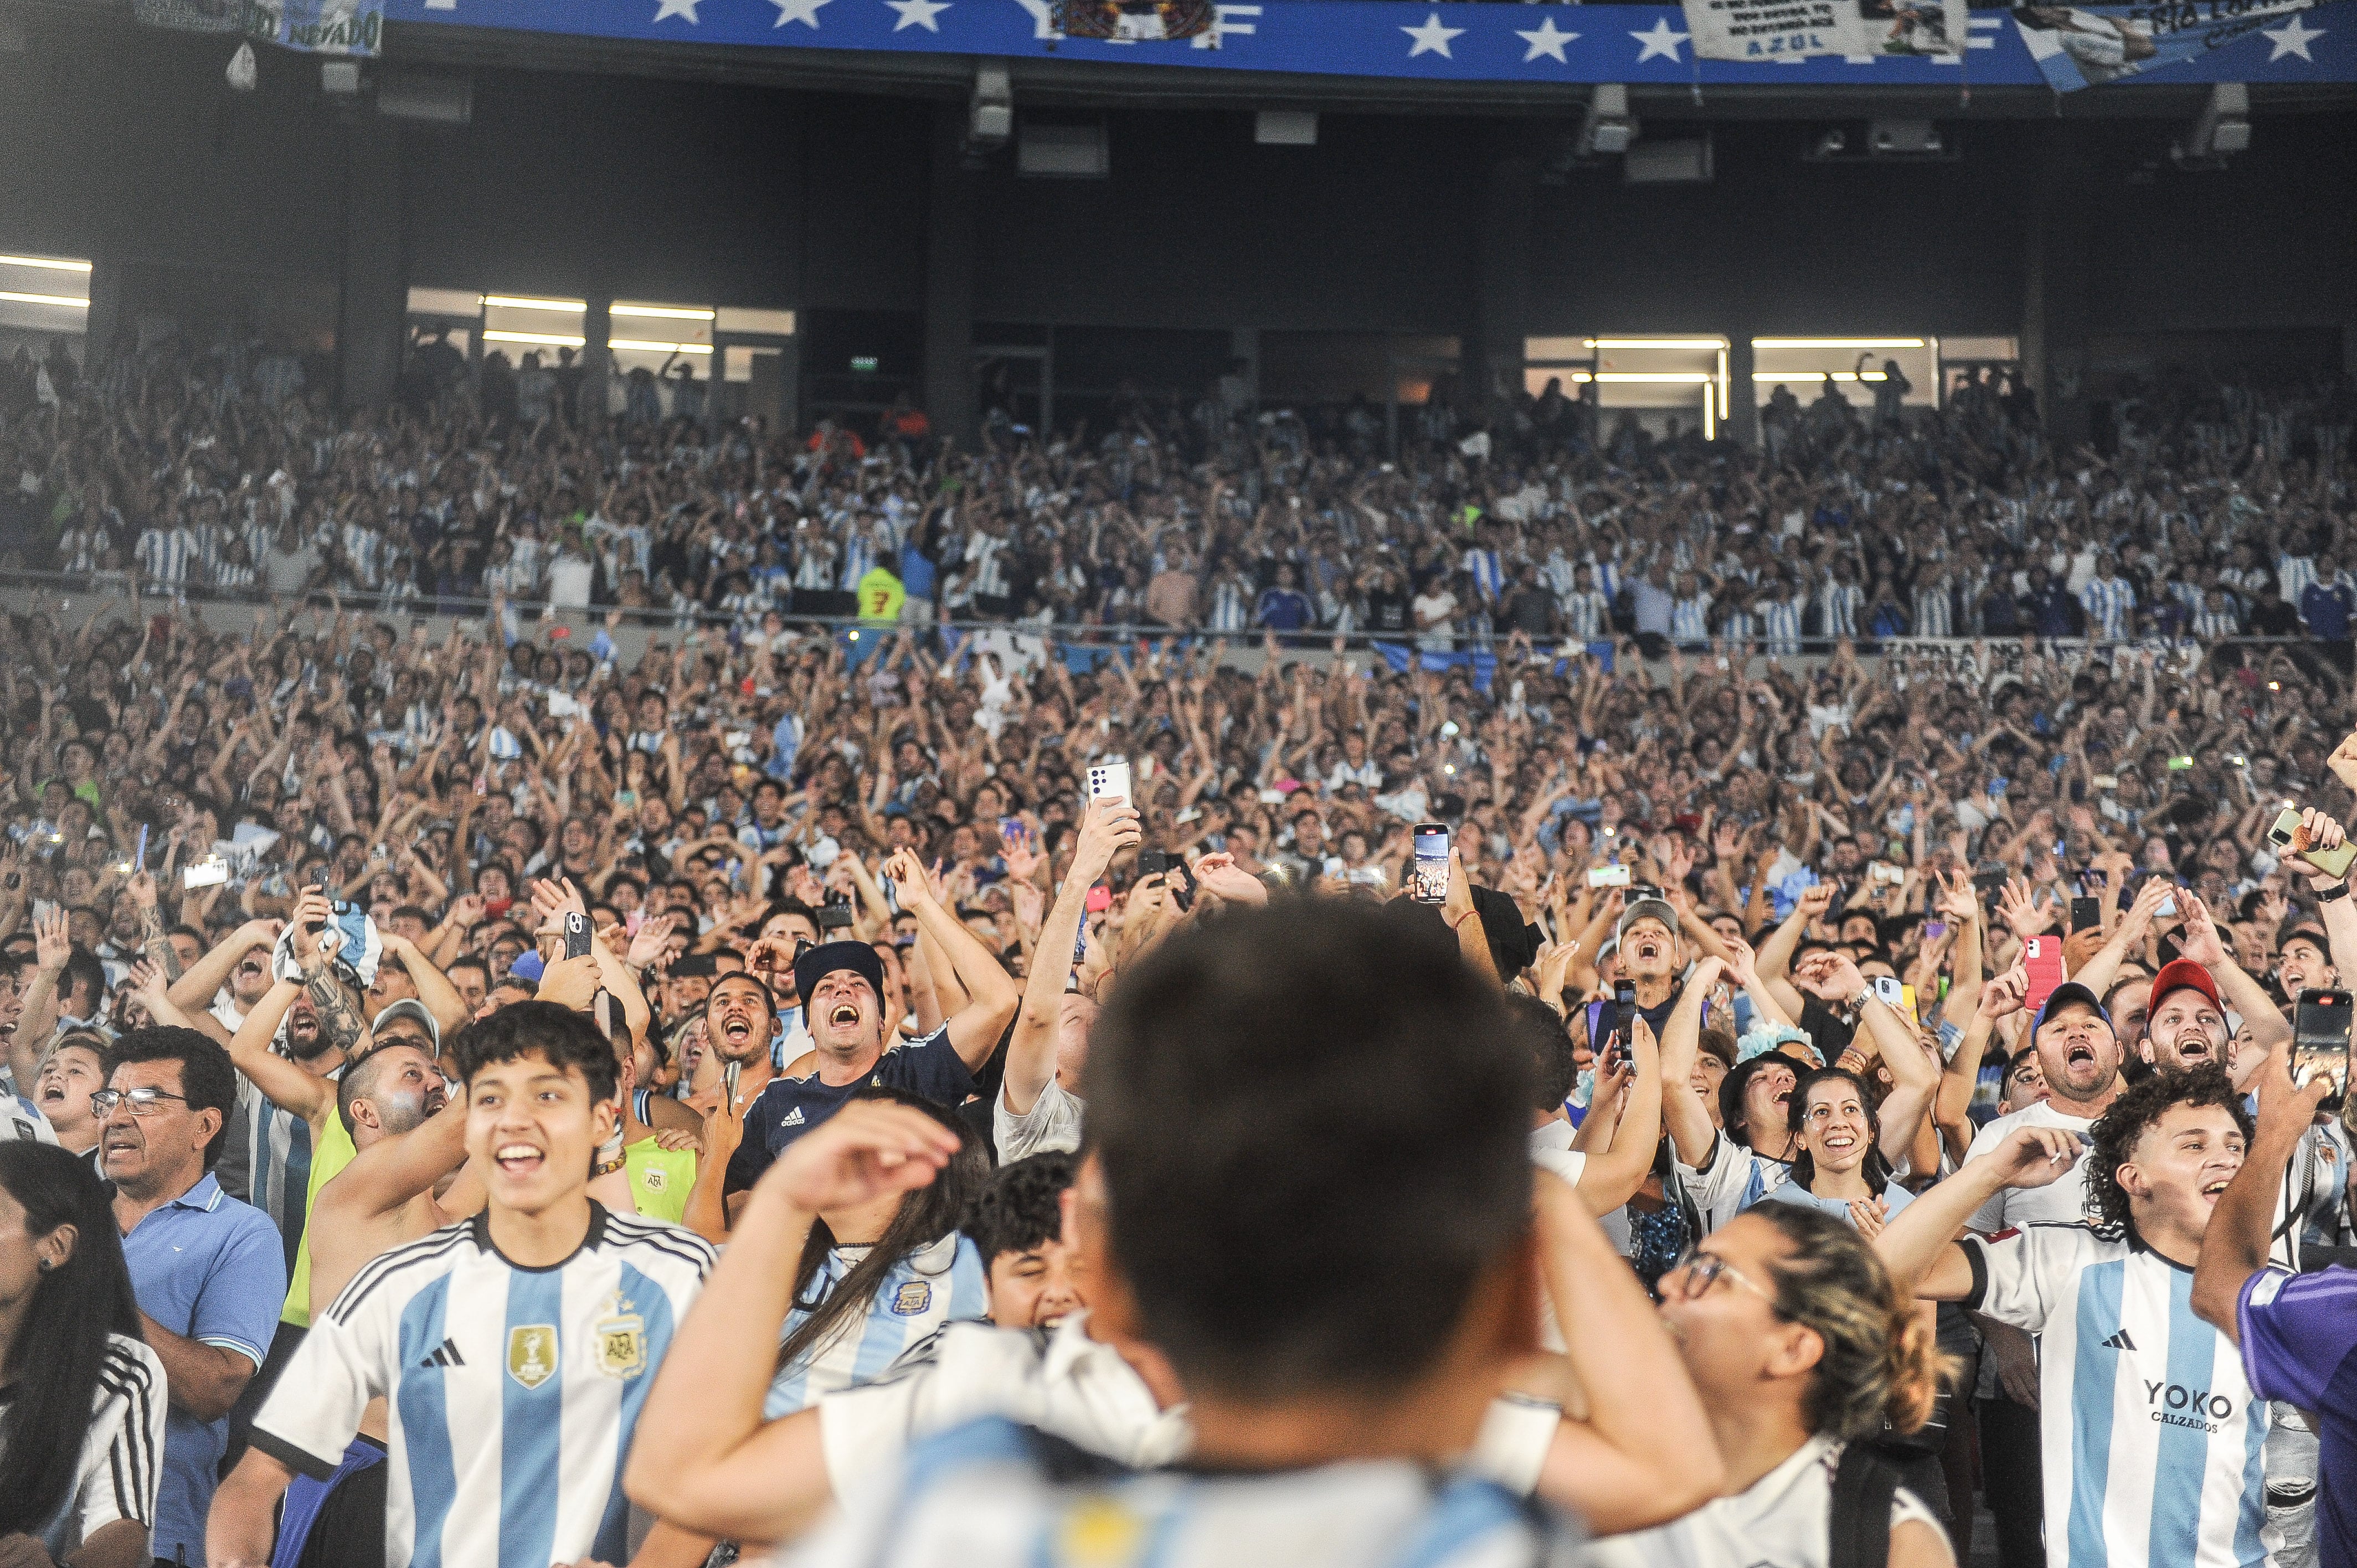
(312,26)
(1770,30)
(2086,46)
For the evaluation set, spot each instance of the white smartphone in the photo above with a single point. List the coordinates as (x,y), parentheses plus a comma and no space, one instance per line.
(210,873)
(1109,781)
(1608,876)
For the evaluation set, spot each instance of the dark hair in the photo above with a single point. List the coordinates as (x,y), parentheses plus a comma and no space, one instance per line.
(208,1081)
(64,1341)
(924,1217)
(2115,1133)
(468,960)
(1545,1036)
(1876,1169)
(1731,1090)
(1308,1025)
(83,967)
(358,1080)
(566,1038)
(1881,1361)
(1019,1209)
(769,997)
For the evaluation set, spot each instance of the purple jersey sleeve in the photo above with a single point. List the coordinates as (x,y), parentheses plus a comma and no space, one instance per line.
(2298,1329)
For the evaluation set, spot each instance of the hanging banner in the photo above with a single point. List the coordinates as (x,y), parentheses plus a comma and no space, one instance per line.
(1758,31)
(1136,21)
(309,27)
(2086,46)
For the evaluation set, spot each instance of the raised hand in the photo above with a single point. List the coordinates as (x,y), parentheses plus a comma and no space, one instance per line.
(314,923)
(2201,943)
(1223,878)
(2037,1156)
(1830,976)
(866,1151)
(652,942)
(2005,994)
(142,884)
(51,944)
(2016,909)
(1107,828)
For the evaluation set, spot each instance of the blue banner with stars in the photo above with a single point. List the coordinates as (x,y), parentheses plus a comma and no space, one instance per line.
(1456,42)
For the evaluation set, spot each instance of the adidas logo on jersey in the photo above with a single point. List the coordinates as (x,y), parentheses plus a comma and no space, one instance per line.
(793,1118)
(445,1355)
(2119,1341)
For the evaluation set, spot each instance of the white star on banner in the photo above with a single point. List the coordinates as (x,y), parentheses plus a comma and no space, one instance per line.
(802,11)
(679,8)
(1658,40)
(918,13)
(1432,38)
(2292,39)
(1544,41)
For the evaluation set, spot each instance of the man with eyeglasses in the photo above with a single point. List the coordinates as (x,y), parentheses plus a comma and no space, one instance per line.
(208,1271)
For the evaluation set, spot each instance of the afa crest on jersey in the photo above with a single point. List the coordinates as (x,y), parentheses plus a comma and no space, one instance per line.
(621,1344)
(912,1298)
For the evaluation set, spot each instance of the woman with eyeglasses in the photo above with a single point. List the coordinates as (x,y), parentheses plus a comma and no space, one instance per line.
(1805,1354)
(81,1396)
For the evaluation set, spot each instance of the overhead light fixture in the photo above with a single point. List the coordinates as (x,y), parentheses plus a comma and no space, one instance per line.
(2223,127)
(1064,150)
(1833,143)
(551,339)
(430,99)
(1286,127)
(1608,129)
(62,301)
(1838,342)
(511,301)
(646,348)
(990,116)
(53,263)
(1818,375)
(1655,377)
(1904,138)
(671,312)
(1683,161)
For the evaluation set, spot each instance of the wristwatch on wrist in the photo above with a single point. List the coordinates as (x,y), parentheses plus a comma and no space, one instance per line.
(2327,894)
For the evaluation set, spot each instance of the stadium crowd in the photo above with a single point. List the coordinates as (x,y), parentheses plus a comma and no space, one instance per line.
(989,1096)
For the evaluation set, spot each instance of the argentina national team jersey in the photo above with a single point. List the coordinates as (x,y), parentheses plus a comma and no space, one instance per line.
(2152,1438)
(993,1494)
(941,1283)
(511,1392)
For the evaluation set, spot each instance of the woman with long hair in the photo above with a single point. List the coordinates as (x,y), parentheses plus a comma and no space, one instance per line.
(1804,1353)
(1837,1164)
(81,1395)
(875,1280)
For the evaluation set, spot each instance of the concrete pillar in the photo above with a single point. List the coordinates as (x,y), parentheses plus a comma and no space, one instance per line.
(1742,425)
(1493,353)
(374,308)
(2055,296)
(949,391)
(107,327)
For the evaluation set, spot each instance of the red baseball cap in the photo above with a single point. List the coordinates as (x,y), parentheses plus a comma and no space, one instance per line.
(2177,975)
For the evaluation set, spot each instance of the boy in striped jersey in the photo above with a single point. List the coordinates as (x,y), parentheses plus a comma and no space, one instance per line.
(1336,1324)
(2152,1435)
(514,1350)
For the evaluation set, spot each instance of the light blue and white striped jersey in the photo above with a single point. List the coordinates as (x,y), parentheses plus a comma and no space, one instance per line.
(267,1161)
(991,1494)
(1779,619)
(166,555)
(2152,1438)
(2108,601)
(1730,1180)
(942,1282)
(511,1393)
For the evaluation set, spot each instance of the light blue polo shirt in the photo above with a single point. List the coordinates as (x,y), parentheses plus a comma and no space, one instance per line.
(212,1269)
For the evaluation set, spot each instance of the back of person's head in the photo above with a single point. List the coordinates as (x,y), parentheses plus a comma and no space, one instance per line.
(1312,1122)
(562,1038)
(1881,1360)
(208,1079)
(924,1217)
(1540,1030)
(82,1293)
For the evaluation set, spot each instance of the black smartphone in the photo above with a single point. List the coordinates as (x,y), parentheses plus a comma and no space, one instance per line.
(2319,1041)
(1153,862)
(2086,914)
(1988,884)
(577,934)
(834,915)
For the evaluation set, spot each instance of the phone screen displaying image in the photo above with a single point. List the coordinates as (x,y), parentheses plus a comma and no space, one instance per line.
(1428,882)
(2319,1042)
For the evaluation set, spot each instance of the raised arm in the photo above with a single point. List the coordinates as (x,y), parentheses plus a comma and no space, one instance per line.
(991,997)
(1107,828)
(1918,1244)
(1683,1111)
(285,1084)
(1644,1454)
(1951,1108)
(2246,996)
(1610,1177)
(2242,1228)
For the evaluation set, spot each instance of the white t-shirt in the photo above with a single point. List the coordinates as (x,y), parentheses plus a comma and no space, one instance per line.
(1053,1123)
(2062,1202)
(122,1452)
(1785,1518)
(1730,1180)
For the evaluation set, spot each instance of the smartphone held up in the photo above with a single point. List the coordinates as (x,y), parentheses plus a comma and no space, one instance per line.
(1429,878)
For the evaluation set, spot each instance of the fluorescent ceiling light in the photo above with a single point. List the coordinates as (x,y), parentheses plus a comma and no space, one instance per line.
(1653,343)
(1818,375)
(1837,342)
(512,303)
(552,340)
(64,301)
(1680,378)
(645,347)
(52,263)
(673,312)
